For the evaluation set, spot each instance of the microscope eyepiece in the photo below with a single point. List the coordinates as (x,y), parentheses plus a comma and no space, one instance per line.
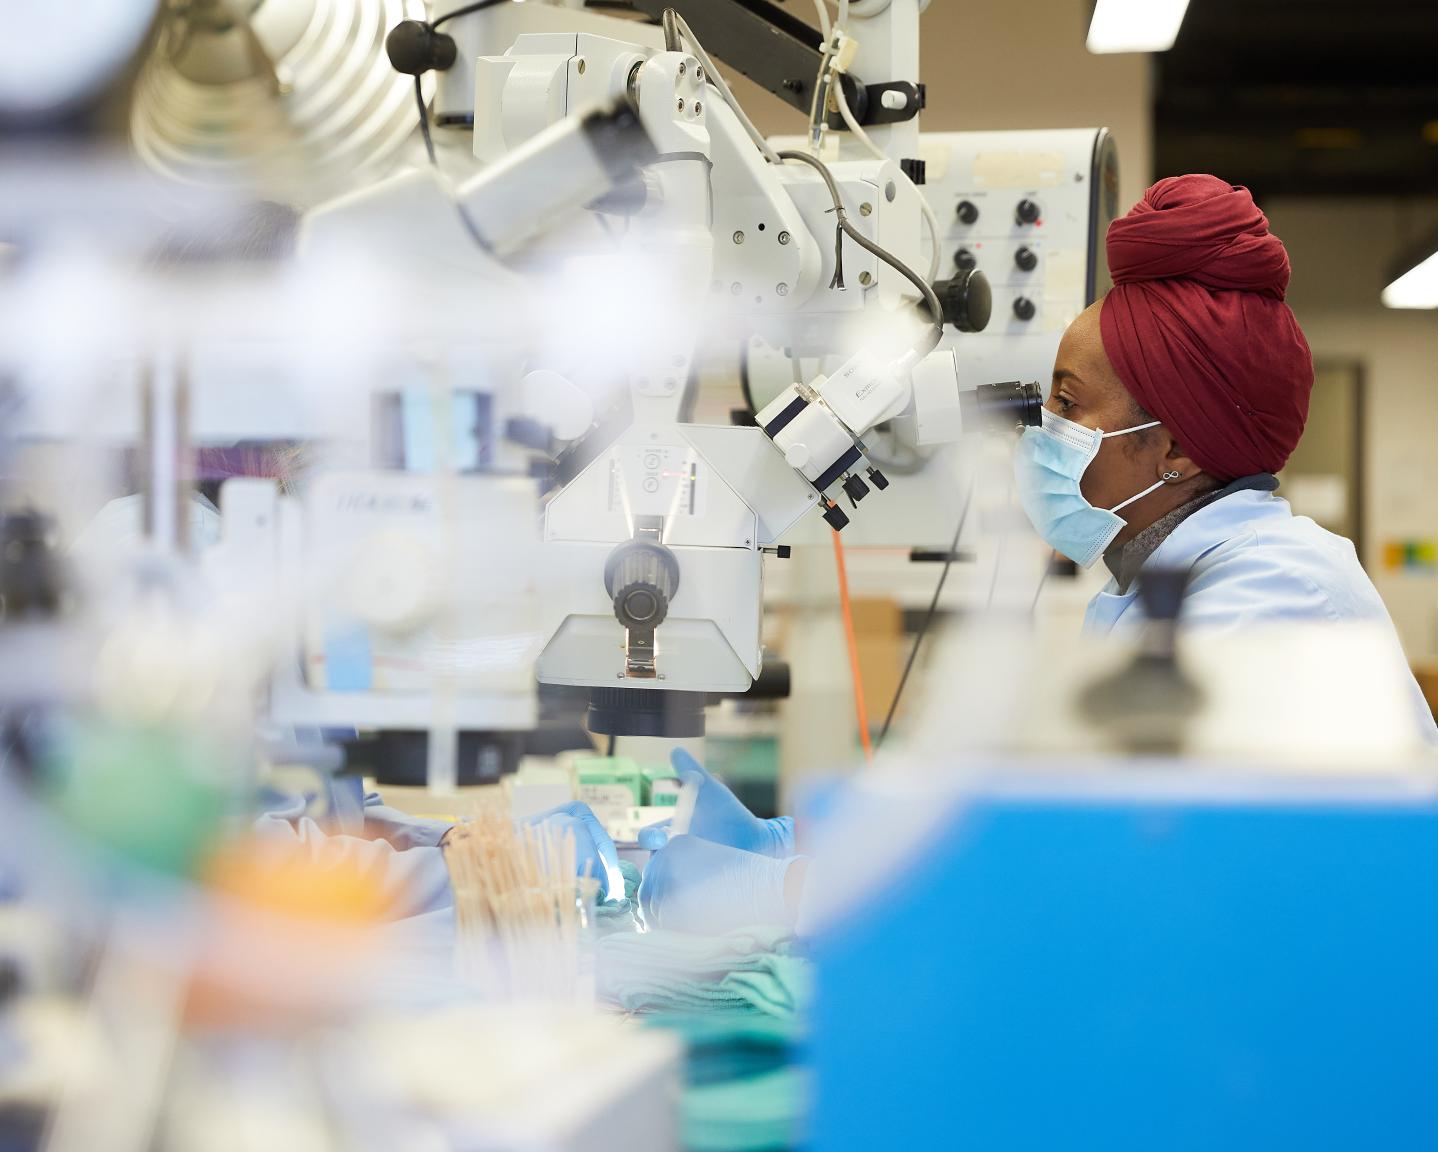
(1008,405)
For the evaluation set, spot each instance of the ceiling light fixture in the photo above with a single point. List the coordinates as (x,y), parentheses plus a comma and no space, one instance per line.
(1135,25)
(1415,288)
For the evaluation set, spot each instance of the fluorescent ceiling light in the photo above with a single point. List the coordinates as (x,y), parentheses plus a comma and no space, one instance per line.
(1135,25)
(1416,288)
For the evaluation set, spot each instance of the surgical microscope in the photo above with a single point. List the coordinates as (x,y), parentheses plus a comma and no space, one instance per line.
(635,539)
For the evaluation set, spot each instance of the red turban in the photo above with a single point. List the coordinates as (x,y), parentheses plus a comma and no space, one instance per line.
(1197,329)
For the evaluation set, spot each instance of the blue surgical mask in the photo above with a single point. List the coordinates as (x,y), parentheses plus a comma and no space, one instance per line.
(1048,465)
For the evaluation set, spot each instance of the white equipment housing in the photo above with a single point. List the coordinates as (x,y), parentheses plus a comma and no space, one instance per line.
(1072,177)
(651,548)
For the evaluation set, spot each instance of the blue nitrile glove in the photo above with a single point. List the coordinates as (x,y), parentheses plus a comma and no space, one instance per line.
(591,844)
(719,816)
(695,885)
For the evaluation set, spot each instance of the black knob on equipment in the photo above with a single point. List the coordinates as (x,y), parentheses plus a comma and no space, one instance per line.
(415,48)
(878,479)
(32,579)
(836,517)
(1024,308)
(966,299)
(642,578)
(855,488)
(964,259)
(968,212)
(1027,259)
(1028,212)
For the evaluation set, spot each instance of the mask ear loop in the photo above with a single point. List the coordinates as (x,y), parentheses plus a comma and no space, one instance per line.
(1151,487)
(1135,428)
(1140,496)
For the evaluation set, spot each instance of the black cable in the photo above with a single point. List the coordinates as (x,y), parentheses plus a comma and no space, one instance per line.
(424,120)
(928,619)
(467,10)
(480,6)
(609,748)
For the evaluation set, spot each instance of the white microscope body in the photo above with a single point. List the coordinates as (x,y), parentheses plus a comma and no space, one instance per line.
(657,541)
(647,586)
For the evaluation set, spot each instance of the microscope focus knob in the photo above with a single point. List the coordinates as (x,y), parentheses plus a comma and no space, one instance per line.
(967,300)
(797,456)
(642,579)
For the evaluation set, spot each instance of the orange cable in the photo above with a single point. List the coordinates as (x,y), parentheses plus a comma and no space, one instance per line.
(848,610)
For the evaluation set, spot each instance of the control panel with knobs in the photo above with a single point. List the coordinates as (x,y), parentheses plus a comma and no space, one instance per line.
(1029,279)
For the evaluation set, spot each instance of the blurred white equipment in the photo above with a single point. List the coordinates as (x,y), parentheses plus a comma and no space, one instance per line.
(71,57)
(530,1079)
(290,99)
(418,565)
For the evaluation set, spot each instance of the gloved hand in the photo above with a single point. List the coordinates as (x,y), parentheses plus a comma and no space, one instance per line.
(591,844)
(720,818)
(695,885)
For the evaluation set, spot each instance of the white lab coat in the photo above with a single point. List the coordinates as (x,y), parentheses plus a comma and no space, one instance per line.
(1251,560)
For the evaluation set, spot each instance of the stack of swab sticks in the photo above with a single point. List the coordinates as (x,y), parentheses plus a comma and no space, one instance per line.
(519,908)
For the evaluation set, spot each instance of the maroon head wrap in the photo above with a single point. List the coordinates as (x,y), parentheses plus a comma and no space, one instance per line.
(1197,329)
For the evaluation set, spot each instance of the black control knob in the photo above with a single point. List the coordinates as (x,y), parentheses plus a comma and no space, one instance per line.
(967,212)
(1027,259)
(415,48)
(836,517)
(855,488)
(32,576)
(964,260)
(1028,212)
(642,578)
(878,479)
(1024,308)
(967,300)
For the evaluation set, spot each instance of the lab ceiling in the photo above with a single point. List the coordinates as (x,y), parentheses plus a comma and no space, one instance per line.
(1303,97)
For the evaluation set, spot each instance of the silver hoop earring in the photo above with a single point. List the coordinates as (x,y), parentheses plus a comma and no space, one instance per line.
(1172,475)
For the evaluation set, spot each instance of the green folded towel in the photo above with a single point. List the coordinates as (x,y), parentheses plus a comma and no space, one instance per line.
(751,970)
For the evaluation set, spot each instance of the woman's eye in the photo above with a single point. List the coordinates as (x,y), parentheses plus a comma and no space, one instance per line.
(1064,403)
